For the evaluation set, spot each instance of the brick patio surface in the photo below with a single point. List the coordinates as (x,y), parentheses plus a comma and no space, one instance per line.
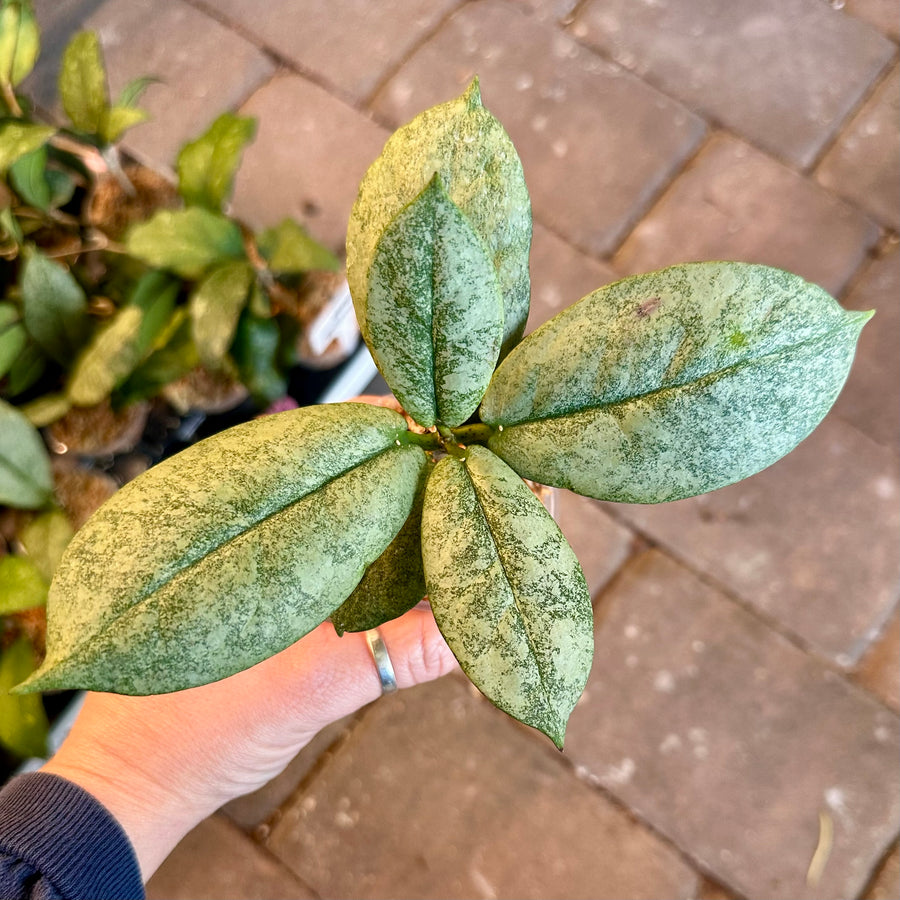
(745,694)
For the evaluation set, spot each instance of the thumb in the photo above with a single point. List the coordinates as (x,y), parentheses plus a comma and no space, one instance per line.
(331,677)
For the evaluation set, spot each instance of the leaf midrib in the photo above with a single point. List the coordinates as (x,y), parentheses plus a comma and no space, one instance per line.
(526,621)
(154,587)
(701,381)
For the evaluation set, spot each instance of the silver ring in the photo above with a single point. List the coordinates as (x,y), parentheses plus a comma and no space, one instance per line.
(382,662)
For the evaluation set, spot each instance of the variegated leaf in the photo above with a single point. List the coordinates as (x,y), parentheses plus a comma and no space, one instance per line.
(228,552)
(394,583)
(671,384)
(507,592)
(463,143)
(434,310)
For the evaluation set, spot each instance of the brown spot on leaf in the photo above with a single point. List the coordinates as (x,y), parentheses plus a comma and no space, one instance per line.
(648,307)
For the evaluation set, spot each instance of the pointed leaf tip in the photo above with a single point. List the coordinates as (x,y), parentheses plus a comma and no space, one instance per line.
(472,94)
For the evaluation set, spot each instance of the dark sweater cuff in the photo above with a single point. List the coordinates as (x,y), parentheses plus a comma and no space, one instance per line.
(69,837)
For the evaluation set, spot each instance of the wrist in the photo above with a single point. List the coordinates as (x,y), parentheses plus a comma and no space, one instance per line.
(153,817)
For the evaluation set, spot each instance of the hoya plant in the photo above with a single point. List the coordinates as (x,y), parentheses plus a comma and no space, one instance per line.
(654,388)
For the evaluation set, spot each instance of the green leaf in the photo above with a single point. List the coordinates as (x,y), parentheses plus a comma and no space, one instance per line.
(45,539)
(25,479)
(394,583)
(118,119)
(82,83)
(186,241)
(134,90)
(255,350)
(670,384)
(62,187)
(228,552)
(47,409)
(119,347)
(17,139)
(434,312)
(174,356)
(12,336)
(507,591)
(216,307)
(289,249)
(21,585)
(28,367)
(154,294)
(20,42)
(55,307)
(110,357)
(206,167)
(9,226)
(23,722)
(260,303)
(28,178)
(478,165)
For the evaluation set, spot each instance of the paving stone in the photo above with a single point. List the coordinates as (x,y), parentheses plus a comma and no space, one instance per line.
(879,669)
(811,542)
(550,10)
(560,276)
(870,398)
(880,13)
(735,202)
(348,44)
(864,164)
(596,143)
(783,73)
(601,544)
(309,156)
(217,861)
(731,741)
(254,812)
(206,68)
(437,794)
(709,890)
(886,885)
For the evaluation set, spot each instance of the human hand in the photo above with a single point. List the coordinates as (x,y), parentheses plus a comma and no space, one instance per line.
(161,764)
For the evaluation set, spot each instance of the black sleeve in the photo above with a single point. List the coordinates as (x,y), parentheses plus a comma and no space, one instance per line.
(58,843)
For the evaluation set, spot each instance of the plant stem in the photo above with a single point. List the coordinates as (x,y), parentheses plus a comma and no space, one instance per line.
(9,96)
(427,441)
(473,434)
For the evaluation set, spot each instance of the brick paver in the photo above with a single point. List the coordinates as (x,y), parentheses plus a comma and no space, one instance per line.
(871,397)
(864,164)
(560,276)
(436,794)
(596,143)
(217,861)
(206,69)
(886,885)
(309,156)
(733,742)
(348,45)
(599,542)
(735,202)
(782,73)
(811,542)
(880,13)
(878,669)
